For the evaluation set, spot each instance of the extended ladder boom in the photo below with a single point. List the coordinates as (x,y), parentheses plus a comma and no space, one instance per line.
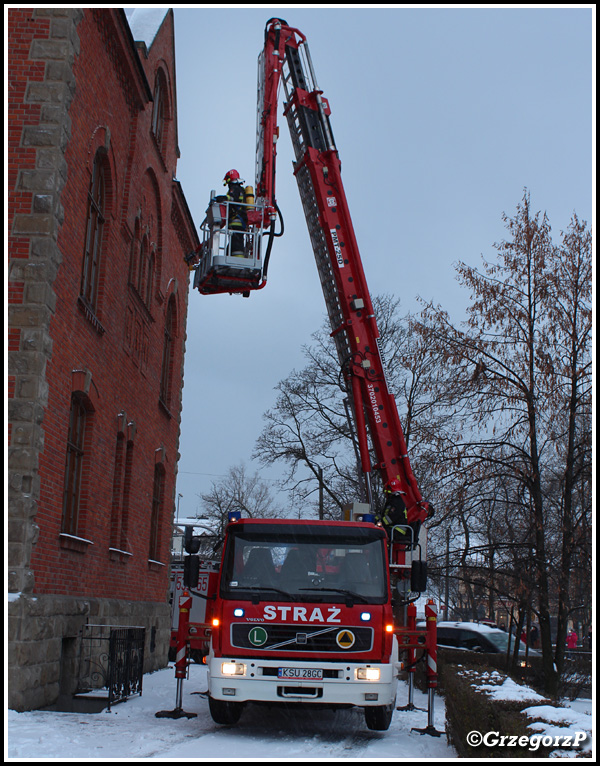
(285,60)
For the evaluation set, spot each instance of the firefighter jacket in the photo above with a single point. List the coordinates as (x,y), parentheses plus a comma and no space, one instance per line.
(394,512)
(237,218)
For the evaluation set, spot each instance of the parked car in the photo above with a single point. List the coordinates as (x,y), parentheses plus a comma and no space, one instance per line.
(477,637)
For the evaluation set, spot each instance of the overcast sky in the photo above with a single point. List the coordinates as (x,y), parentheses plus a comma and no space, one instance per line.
(441,117)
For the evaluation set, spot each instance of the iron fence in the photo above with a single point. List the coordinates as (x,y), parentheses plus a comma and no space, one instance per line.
(112,659)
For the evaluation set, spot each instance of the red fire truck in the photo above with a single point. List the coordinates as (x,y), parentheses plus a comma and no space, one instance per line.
(315,612)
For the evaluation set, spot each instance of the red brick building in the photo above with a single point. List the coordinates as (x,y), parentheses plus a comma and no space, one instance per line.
(97,286)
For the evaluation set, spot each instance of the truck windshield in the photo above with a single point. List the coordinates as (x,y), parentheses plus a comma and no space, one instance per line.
(304,563)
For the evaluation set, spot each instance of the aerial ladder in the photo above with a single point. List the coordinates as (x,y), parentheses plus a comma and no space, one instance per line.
(285,62)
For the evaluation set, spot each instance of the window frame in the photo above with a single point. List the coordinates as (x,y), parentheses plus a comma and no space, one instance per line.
(96,218)
(166,377)
(159,111)
(158,494)
(74,464)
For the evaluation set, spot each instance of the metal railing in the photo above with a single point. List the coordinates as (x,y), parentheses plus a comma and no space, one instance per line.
(217,236)
(112,659)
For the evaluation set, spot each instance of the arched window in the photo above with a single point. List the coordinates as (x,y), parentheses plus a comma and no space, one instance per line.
(168,350)
(93,235)
(143,263)
(159,110)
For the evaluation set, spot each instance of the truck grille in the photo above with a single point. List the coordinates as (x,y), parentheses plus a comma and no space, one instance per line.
(297,638)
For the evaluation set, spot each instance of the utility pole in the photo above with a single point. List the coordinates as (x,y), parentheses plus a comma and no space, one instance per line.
(321,511)
(447,593)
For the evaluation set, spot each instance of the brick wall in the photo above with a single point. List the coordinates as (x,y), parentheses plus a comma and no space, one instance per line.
(79,89)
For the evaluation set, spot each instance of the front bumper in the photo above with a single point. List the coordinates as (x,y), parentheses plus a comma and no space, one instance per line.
(340,685)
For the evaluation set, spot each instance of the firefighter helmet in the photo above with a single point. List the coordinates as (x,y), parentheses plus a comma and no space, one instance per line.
(231,175)
(394,486)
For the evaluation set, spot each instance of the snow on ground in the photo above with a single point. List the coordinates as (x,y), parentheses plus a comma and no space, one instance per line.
(555,721)
(131,731)
(500,687)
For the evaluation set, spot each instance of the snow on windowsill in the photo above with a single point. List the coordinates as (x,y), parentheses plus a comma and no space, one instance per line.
(73,543)
(64,535)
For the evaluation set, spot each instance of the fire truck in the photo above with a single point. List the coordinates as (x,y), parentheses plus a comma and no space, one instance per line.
(307,611)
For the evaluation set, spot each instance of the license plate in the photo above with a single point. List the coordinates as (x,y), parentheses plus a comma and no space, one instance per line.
(299,674)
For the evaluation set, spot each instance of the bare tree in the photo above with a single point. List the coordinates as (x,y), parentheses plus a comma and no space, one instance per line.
(310,429)
(571,316)
(498,416)
(517,381)
(238,491)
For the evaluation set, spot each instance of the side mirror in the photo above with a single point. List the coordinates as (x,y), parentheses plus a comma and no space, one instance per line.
(190,543)
(191,571)
(418,576)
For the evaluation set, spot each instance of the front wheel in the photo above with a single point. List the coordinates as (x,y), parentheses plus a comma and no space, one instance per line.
(223,712)
(379,717)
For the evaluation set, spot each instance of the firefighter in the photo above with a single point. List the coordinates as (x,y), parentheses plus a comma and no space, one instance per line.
(395,514)
(394,511)
(237,220)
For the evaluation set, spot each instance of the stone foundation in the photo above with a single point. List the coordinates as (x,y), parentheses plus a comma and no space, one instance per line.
(44,642)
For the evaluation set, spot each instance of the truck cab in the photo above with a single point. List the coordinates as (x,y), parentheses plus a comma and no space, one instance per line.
(303,614)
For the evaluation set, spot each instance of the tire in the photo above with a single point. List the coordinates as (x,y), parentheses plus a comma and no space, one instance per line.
(379,717)
(225,713)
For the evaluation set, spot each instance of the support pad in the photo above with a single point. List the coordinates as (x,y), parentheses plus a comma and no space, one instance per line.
(177,713)
(411,706)
(431,730)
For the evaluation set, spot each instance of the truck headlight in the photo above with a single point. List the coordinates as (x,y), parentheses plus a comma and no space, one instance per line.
(368,674)
(233,669)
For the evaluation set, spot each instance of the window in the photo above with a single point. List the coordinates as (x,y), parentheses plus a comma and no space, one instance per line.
(74,466)
(301,560)
(115,519)
(142,269)
(155,519)
(167,358)
(125,543)
(132,255)
(149,277)
(119,525)
(158,111)
(93,236)
(142,266)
